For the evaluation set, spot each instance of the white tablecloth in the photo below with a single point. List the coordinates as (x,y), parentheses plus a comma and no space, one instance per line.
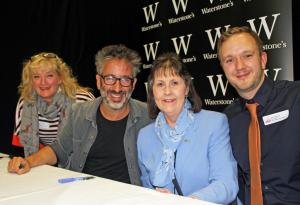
(40,186)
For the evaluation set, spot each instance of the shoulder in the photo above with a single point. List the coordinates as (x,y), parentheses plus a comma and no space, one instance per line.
(233,109)
(286,83)
(210,115)
(82,96)
(287,86)
(139,113)
(86,105)
(148,128)
(18,113)
(285,93)
(210,119)
(146,133)
(139,109)
(21,100)
(20,103)
(138,104)
(85,110)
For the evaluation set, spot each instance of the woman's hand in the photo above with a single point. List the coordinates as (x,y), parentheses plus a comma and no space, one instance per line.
(18,165)
(163,190)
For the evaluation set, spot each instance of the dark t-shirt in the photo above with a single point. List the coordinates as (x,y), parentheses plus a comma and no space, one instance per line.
(106,157)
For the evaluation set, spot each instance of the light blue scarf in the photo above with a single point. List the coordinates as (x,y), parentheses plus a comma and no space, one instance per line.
(171,139)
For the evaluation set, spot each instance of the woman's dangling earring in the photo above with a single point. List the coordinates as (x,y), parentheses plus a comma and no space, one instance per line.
(186,101)
(59,89)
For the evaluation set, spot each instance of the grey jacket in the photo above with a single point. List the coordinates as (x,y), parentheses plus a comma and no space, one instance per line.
(76,138)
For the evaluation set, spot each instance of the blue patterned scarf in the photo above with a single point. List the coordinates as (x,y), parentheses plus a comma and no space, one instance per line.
(171,139)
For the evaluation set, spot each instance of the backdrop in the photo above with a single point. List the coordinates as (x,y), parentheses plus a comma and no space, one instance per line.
(77,29)
(191,28)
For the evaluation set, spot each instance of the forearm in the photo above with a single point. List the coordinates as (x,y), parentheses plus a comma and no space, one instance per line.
(220,192)
(45,155)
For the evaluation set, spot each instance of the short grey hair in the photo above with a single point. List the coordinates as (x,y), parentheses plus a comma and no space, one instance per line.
(118,52)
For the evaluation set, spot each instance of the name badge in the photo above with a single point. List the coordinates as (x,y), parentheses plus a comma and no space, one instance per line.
(276,117)
(44,125)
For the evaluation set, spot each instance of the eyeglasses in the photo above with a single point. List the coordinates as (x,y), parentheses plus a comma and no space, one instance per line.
(125,81)
(45,55)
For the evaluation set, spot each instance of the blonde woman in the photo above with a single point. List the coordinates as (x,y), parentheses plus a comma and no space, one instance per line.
(46,90)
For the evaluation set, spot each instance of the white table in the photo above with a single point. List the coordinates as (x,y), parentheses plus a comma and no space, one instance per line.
(40,186)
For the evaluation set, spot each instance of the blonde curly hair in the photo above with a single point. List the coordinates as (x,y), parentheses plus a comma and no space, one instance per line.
(53,62)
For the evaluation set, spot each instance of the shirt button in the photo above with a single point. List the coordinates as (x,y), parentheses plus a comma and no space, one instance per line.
(266,187)
(261,164)
(80,166)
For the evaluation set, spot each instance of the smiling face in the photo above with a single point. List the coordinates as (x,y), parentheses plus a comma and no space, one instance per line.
(243,64)
(115,97)
(169,91)
(45,82)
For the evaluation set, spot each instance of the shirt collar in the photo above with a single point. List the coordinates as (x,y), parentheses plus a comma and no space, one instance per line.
(263,94)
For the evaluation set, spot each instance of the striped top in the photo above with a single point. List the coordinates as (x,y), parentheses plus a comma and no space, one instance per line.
(48,128)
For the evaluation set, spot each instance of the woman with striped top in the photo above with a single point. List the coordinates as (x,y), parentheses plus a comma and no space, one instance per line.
(47,90)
